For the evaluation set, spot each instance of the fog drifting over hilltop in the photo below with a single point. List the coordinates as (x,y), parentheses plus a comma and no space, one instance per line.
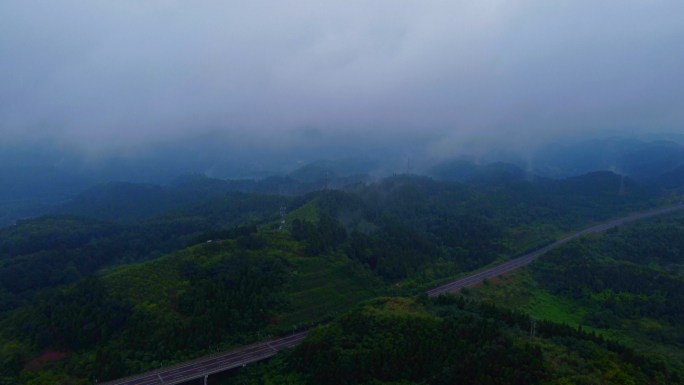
(115,75)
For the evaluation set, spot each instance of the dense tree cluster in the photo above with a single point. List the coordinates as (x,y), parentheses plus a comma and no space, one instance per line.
(321,237)
(79,317)
(55,250)
(626,273)
(381,343)
(237,295)
(222,302)
(394,251)
(402,224)
(449,340)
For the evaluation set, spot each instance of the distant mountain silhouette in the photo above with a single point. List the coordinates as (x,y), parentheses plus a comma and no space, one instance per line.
(673,179)
(30,190)
(636,158)
(465,171)
(333,169)
(127,202)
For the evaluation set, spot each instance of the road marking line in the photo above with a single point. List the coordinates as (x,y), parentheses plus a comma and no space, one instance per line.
(141,383)
(220,361)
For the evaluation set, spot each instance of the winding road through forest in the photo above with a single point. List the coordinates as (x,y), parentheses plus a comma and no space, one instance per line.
(204,366)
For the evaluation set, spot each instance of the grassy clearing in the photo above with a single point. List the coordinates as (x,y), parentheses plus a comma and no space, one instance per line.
(518,290)
(544,305)
(308,212)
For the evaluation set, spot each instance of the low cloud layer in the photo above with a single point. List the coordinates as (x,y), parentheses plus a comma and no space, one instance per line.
(115,74)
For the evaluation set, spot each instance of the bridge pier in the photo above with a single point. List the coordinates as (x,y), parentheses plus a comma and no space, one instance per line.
(206,378)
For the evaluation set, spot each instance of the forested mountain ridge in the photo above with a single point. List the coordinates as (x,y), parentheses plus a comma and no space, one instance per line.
(642,160)
(462,170)
(213,295)
(130,202)
(477,224)
(337,247)
(34,181)
(331,170)
(31,190)
(53,250)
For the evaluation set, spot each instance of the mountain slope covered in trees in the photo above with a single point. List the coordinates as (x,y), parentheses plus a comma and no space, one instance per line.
(162,292)
(450,340)
(627,284)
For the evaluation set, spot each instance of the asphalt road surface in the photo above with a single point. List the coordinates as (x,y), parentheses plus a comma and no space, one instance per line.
(218,363)
(525,259)
(238,357)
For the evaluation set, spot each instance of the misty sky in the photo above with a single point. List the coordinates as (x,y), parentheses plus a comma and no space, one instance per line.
(115,74)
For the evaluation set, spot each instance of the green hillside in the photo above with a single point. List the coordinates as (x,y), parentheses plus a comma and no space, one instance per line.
(450,340)
(626,284)
(121,298)
(188,303)
(129,202)
(54,250)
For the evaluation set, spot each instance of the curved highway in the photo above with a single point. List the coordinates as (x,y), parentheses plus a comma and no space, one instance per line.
(525,259)
(204,366)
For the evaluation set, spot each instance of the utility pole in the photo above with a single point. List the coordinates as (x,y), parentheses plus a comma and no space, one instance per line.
(533,327)
(326,181)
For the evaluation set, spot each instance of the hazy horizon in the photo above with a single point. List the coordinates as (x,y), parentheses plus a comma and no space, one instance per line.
(125,78)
